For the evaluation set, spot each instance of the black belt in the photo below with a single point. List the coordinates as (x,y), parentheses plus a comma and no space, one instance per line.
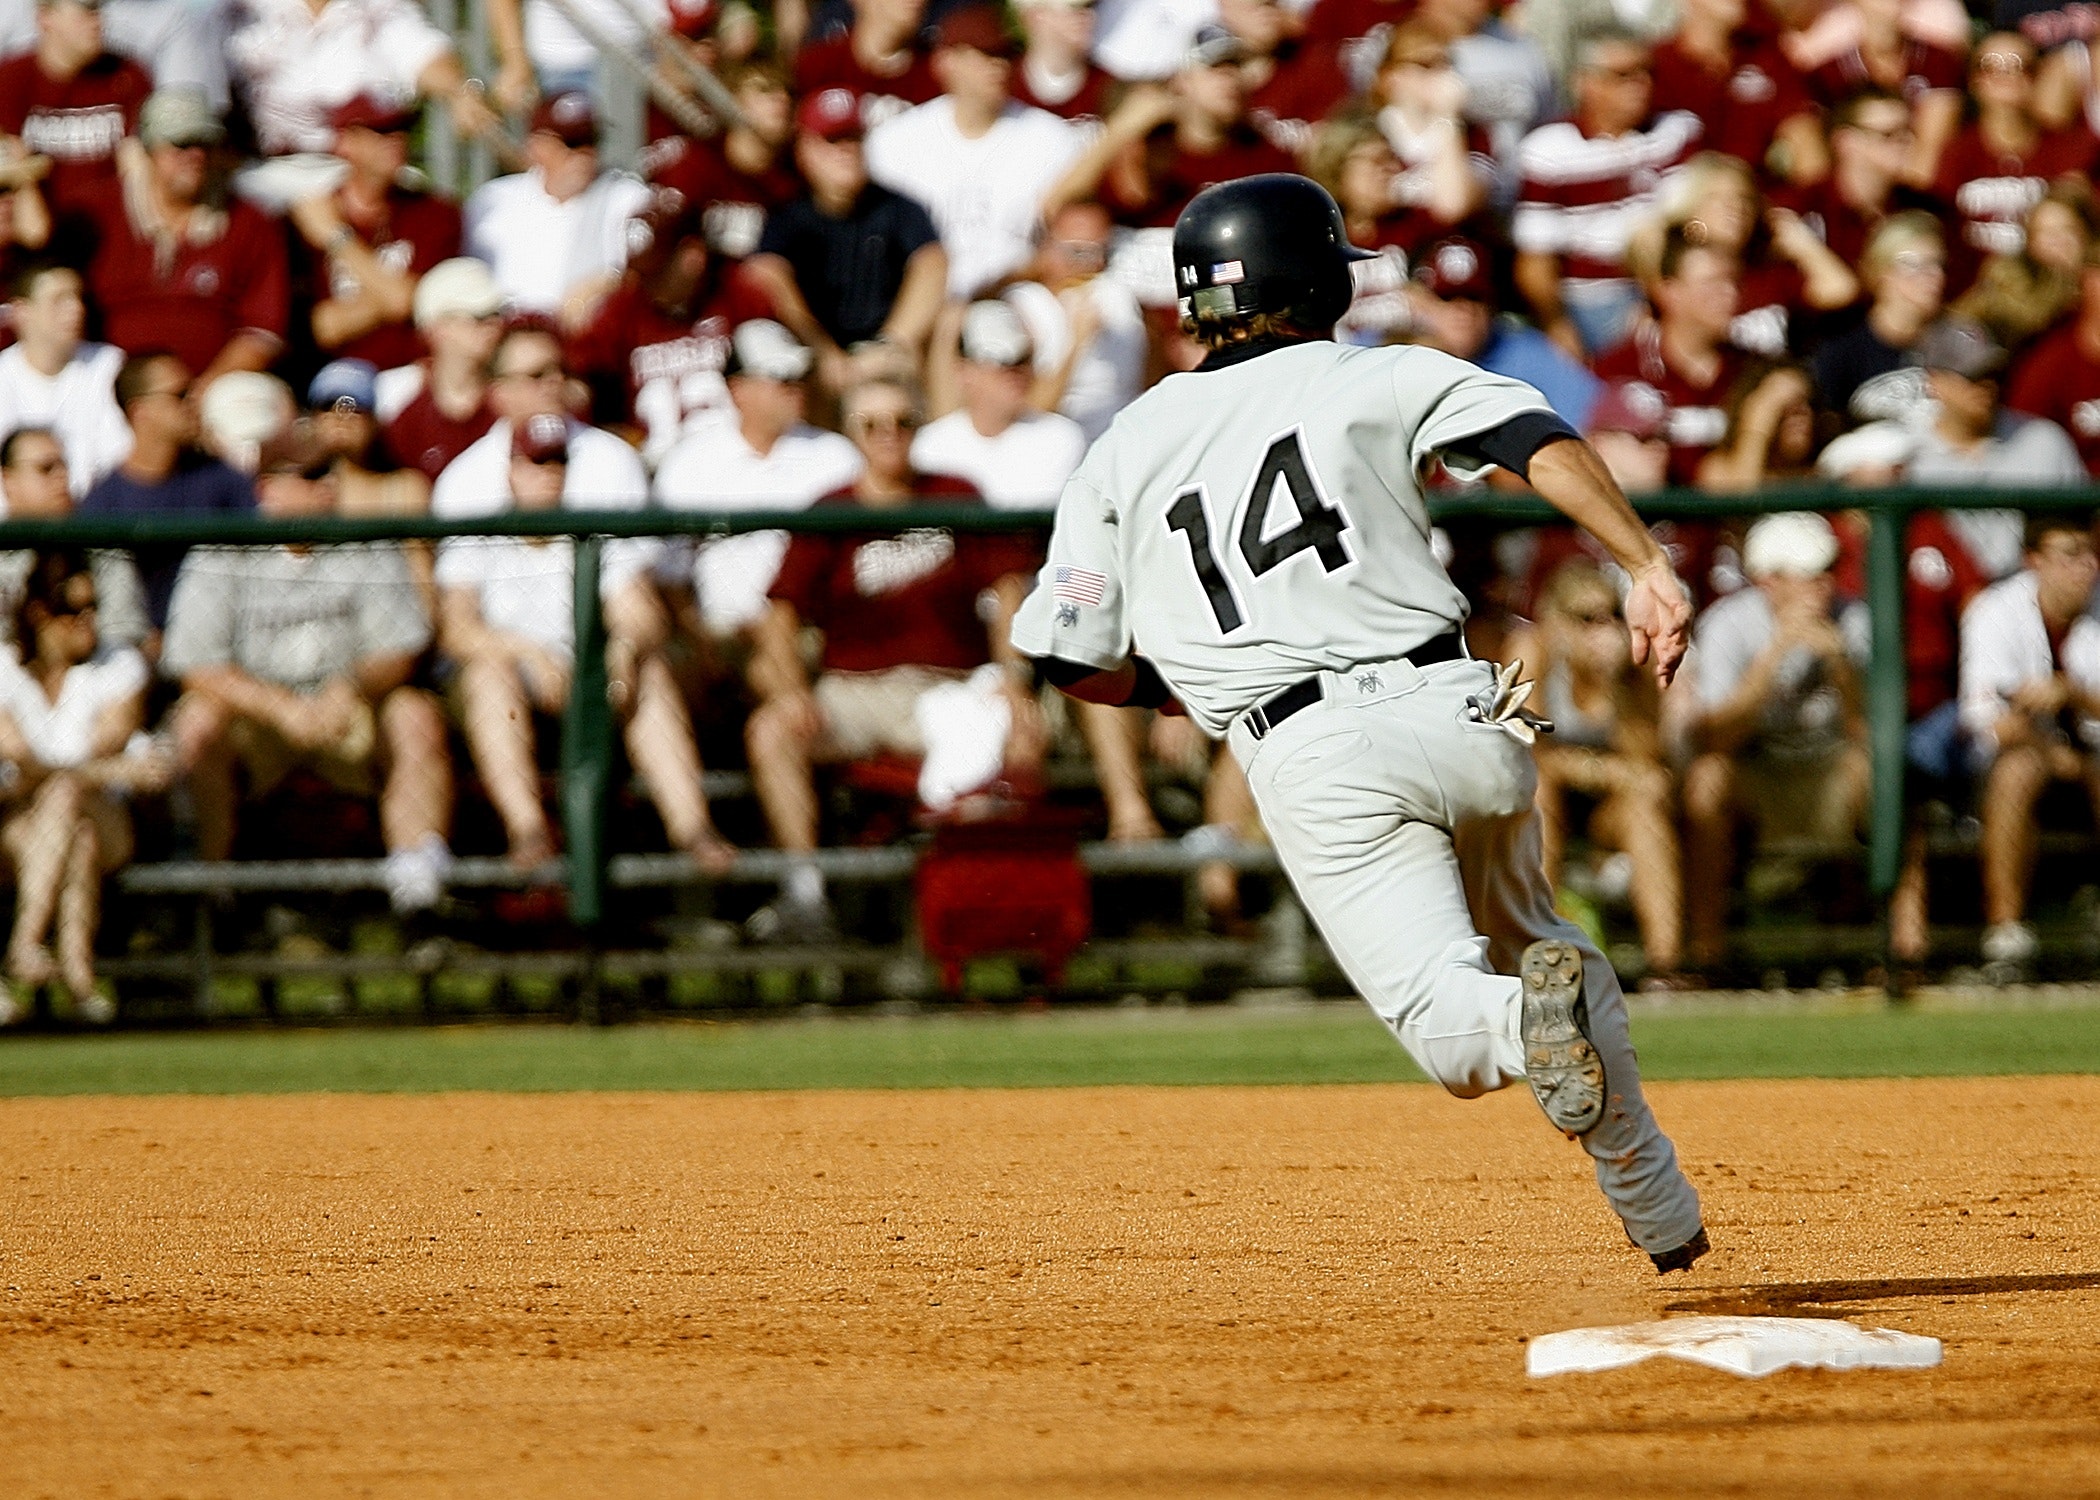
(1274,709)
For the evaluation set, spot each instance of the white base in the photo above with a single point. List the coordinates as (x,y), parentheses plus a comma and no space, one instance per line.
(1741,1346)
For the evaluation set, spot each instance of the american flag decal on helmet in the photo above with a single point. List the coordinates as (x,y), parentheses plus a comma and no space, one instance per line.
(1079,585)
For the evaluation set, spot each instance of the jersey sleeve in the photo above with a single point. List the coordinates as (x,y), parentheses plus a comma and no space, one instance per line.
(1076,611)
(1446,401)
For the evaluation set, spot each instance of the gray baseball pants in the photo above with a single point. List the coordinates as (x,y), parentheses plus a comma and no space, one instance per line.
(1410,833)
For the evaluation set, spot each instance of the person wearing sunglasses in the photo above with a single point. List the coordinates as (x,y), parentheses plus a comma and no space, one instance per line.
(363,246)
(71,714)
(34,487)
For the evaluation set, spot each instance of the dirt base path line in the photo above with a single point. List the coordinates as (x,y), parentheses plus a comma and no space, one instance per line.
(1290,1292)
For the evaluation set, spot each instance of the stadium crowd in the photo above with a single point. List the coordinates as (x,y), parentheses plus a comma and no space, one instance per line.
(1735,242)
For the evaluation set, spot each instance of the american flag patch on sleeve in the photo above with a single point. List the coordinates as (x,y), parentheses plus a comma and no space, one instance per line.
(1080,585)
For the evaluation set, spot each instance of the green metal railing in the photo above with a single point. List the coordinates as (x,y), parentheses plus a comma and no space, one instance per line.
(589,732)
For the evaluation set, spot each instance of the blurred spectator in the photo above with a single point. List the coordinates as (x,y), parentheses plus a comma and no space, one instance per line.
(433,410)
(1787,278)
(1447,164)
(1018,458)
(52,378)
(164,471)
(1869,374)
(182,45)
(1456,313)
(1870,142)
(1588,182)
(977,161)
(1999,166)
(363,248)
(556,235)
(342,401)
(1509,87)
(509,621)
(301,656)
(1752,101)
(1162,146)
(1146,40)
(2030,703)
(33,488)
(70,721)
(540,52)
(527,379)
(733,182)
(1972,442)
(911,665)
(660,340)
(180,266)
(1927,76)
(1088,331)
(1628,426)
(848,262)
(2020,295)
(243,410)
(1771,436)
(25,220)
(1353,161)
(73,100)
(1056,71)
(2059,377)
(296,61)
(879,61)
(1292,83)
(1685,354)
(1777,733)
(1602,771)
(769,458)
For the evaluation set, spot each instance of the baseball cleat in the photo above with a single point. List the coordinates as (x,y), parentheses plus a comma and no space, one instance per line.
(1566,1074)
(1682,1257)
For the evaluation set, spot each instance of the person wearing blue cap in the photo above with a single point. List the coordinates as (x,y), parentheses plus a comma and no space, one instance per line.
(343,402)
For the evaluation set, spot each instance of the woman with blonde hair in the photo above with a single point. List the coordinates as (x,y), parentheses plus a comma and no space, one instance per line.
(1602,768)
(1786,271)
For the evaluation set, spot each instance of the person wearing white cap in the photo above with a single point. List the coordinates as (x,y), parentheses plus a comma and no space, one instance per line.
(768,458)
(432,411)
(1019,458)
(1777,729)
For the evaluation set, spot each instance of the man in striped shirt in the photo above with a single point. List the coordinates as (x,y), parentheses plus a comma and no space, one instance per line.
(1587,182)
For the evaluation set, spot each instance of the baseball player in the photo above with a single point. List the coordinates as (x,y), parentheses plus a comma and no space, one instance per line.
(1250,540)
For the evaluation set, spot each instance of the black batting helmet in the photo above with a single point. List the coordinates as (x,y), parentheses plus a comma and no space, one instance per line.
(1274,243)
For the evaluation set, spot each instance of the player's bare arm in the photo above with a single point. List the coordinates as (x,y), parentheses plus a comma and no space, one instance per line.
(1570,477)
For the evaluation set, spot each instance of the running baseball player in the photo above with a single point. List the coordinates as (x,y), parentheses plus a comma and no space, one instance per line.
(1250,540)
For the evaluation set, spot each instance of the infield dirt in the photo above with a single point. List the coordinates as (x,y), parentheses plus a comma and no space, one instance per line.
(1288,1291)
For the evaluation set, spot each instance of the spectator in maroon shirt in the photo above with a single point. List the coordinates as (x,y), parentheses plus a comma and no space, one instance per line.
(1292,84)
(901,621)
(2002,162)
(1056,71)
(2059,377)
(179,264)
(881,59)
(1685,354)
(363,247)
(72,100)
(735,180)
(1163,146)
(1926,77)
(1754,103)
(1870,143)
(655,352)
(434,410)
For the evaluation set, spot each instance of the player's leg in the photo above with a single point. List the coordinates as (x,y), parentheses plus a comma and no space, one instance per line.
(1512,904)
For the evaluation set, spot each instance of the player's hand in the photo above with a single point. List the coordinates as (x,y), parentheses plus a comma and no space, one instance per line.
(1658,620)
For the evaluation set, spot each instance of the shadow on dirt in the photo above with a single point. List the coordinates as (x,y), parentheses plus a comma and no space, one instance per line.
(1826,1299)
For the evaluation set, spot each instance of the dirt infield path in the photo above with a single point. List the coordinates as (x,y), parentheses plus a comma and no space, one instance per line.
(1289,1292)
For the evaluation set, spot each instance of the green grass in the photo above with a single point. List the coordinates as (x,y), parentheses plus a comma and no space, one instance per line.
(1334,1044)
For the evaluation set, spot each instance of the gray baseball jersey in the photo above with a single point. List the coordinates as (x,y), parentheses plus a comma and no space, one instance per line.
(1246,526)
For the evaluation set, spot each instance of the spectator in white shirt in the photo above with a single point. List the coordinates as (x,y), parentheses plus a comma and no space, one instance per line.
(296,61)
(506,617)
(980,163)
(556,235)
(527,378)
(2030,704)
(1088,329)
(1017,457)
(53,378)
(769,458)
